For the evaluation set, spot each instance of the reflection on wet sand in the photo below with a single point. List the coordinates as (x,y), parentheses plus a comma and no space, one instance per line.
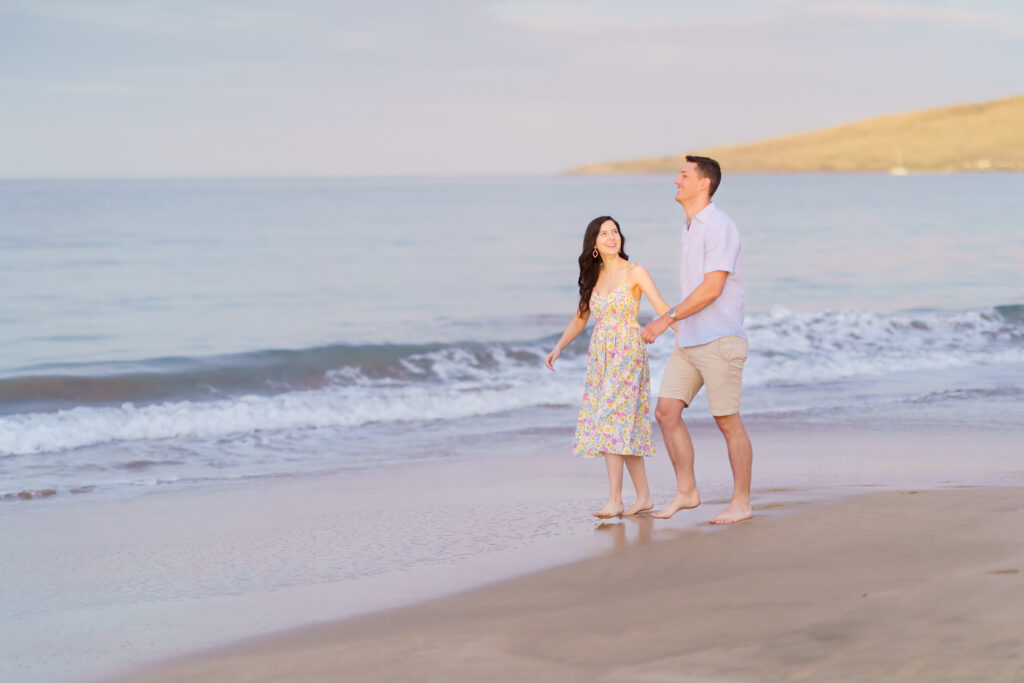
(642,527)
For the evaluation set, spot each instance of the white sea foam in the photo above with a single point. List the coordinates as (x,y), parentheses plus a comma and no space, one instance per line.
(349,406)
(801,348)
(457,381)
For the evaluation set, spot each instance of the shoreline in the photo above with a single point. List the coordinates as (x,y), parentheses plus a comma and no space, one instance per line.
(168,574)
(901,586)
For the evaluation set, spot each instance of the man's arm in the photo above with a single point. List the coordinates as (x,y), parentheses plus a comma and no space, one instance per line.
(699,299)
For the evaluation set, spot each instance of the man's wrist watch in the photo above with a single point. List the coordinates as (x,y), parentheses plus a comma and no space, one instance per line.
(672,313)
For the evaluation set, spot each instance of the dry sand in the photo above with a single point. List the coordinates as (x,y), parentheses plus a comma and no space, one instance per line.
(891,586)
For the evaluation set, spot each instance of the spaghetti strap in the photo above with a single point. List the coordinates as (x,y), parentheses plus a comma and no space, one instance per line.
(632,272)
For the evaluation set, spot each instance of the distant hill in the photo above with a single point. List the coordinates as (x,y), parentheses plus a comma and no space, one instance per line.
(970,137)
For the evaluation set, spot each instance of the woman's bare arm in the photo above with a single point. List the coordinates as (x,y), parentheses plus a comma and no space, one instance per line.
(645,282)
(572,330)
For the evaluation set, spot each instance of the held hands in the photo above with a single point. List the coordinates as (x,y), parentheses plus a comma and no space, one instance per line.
(655,328)
(552,357)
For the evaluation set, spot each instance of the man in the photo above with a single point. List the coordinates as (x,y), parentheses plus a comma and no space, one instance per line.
(711,345)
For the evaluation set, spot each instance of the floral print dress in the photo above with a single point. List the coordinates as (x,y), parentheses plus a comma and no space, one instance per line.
(615,417)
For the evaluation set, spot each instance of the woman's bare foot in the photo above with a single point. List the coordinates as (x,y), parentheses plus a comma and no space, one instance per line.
(641,505)
(682,501)
(612,509)
(734,513)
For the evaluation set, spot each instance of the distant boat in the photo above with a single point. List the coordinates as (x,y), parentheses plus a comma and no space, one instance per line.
(899,168)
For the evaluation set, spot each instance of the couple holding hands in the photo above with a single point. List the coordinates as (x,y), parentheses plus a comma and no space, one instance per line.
(711,348)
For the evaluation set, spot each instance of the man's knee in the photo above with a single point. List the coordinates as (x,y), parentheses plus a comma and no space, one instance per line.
(669,411)
(730,425)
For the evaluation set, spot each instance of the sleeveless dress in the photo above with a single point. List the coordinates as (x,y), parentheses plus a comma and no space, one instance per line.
(615,417)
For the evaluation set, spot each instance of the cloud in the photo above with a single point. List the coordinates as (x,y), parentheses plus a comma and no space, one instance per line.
(582,16)
(919,14)
(463,86)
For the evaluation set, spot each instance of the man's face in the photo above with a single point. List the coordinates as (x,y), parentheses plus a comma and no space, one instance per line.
(690,183)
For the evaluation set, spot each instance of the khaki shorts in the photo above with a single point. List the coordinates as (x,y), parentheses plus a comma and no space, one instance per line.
(717,364)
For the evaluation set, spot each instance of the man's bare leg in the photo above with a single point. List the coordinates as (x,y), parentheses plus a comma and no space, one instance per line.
(613,508)
(741,457)
(668,412)
(638,473)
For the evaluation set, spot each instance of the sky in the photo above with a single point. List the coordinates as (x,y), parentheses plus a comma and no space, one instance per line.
(155,88)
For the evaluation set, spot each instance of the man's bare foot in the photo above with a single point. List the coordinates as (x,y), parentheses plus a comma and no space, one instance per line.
(608,511)
(641,505)
(682,501)
(734,513)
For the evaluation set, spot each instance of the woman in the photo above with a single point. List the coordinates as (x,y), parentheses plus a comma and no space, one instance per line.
(614,421)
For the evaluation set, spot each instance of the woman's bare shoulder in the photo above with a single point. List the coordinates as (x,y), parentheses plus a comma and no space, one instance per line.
(636,269)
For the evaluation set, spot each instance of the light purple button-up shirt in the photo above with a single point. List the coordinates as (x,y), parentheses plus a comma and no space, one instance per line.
(711,242)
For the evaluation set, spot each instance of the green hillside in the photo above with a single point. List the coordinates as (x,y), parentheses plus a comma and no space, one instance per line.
(971,137)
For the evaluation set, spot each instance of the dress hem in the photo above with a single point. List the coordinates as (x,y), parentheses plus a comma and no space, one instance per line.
(601,454)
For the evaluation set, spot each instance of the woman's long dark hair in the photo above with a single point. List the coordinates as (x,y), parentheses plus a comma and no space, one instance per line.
(590,265)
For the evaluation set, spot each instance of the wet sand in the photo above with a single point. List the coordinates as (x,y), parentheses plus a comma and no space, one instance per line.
(916,585)
(99,586)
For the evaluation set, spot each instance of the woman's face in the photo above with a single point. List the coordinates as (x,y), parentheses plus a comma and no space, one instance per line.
(608,240)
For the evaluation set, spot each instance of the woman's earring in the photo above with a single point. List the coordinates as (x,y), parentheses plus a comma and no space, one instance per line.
(595,254)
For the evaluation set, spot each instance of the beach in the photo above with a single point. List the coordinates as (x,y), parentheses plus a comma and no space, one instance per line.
(283,284)
(914,585)
(327,427)
(105,593)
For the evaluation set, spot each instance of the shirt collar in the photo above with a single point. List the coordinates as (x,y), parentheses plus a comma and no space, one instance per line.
(703,216)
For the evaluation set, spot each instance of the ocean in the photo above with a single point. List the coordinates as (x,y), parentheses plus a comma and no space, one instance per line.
(185,333)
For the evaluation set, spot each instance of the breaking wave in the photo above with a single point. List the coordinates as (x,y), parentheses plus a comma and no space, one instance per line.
(58,409)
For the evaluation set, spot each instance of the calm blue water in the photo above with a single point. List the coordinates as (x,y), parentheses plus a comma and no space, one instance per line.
(168,332)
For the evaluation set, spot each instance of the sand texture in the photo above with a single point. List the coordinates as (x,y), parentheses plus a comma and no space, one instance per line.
(894,586)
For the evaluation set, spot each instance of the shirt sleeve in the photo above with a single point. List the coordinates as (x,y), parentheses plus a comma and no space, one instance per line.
(722,248)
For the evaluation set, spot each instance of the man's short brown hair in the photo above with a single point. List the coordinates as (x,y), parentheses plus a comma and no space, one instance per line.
(708,168)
